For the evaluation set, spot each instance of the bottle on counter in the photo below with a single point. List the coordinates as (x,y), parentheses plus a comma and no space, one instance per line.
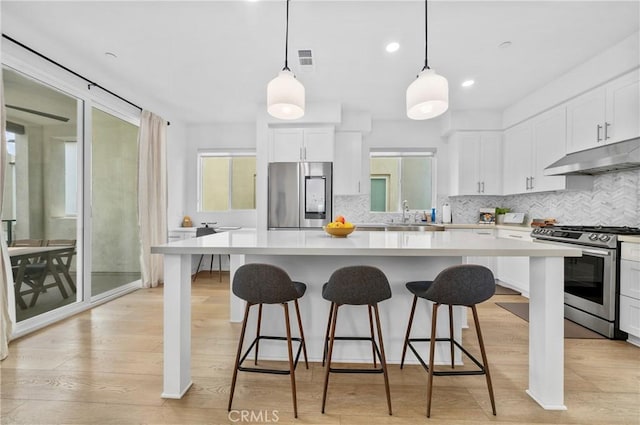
(433,215)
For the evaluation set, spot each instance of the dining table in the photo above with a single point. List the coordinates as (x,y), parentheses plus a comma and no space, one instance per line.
(52,259)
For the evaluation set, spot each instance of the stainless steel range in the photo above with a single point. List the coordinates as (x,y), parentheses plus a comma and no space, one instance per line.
(591,282)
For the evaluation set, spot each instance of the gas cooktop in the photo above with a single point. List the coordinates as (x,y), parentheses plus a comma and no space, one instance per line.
(602,236)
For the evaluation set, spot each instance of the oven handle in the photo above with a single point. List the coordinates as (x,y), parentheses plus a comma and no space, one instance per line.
(584,250)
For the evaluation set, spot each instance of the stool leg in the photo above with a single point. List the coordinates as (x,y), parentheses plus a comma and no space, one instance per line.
(237,364)
(292,370)
(258,333)
(219,268)
(451,333)
(302,340)
(198,268)
(406,337)
(333,319)
(326,337)
(383,360)
(373,343)
(484,357)
(432,351)
(211,264)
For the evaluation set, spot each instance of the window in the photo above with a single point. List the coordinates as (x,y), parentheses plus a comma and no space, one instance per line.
(399,176)
(227,181)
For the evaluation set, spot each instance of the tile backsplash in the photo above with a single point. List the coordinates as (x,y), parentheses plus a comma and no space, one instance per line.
(613,201)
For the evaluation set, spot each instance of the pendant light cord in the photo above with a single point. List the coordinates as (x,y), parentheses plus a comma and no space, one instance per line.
(426,25)
(286,42)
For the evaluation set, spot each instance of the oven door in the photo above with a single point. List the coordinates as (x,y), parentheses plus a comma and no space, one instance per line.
(590,280)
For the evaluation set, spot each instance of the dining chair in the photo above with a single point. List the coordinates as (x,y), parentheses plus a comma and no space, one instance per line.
(28,279)
(203,231)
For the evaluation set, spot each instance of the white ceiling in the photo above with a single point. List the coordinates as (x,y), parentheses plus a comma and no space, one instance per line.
(210,61)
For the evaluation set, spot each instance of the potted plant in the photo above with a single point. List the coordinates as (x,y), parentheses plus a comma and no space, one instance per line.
(500,212)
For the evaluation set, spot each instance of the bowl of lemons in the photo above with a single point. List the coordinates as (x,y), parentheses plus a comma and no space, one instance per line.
(339,228)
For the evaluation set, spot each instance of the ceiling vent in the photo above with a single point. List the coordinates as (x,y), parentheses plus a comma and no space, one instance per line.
(305,58)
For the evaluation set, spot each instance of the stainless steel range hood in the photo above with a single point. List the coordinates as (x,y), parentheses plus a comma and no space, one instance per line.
(603,159)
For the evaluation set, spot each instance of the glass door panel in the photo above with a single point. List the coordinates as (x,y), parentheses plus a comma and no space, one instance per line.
(115,247)
(41,194)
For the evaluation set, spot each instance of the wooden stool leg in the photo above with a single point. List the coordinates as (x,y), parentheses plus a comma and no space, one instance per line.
(406,337)
(383,359)
(326,337)
(237,364)
(292,370)
(484,358)
(451,333)
(333,319)
(302,340)
(432,351)
(198,268)
(373,343)
(255,362)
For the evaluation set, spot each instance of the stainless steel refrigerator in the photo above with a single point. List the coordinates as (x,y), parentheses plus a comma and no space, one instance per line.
(300,194)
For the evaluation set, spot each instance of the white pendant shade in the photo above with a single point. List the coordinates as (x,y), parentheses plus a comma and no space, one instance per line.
(427,96)
(285,97)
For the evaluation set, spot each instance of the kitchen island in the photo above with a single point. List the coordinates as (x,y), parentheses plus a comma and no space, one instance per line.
(311,256)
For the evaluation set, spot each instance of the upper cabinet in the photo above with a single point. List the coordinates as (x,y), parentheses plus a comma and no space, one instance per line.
(348,178)
(313,144)
(607,114)
(533,145)
(477,163)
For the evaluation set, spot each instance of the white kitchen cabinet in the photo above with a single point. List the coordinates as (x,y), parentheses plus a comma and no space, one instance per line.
(532,146)
(606,114)
(313,144)
(514,271)
(181,233)
(630,291)
(477,167)
(348,178)
(489,262)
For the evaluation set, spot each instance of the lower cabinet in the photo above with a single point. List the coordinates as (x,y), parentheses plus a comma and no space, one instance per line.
(514,271)
(488,262)
(630,291)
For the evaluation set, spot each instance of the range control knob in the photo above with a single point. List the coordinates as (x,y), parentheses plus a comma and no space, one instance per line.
(604,238)
(593,237)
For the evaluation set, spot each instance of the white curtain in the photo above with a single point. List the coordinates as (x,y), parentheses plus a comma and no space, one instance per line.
(6,279)
(152,195)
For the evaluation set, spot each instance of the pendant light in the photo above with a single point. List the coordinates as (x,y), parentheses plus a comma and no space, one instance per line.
(428,95)
(285,94)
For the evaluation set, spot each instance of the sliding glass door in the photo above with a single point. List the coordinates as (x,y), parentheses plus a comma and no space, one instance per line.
(41,195)
(115,246)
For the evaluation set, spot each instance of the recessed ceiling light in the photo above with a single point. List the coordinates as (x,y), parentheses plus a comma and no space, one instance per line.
(110,55)
(468,83)
(504,45)
(392,47)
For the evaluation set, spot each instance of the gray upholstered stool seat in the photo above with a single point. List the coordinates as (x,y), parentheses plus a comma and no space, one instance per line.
(260,284)
(464,285)
(356,285)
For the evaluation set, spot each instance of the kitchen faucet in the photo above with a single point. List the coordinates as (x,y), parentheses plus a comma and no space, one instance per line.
(405,210)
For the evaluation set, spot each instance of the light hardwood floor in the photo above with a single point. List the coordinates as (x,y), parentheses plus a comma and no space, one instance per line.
(104,366)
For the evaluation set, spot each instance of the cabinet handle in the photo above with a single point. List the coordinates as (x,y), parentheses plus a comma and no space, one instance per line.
(305,152)
(598,138)
(531,182)
(300,154)
(527,183)
(606,132)
(482,187)
(515,236)
(358,187)
(478,187)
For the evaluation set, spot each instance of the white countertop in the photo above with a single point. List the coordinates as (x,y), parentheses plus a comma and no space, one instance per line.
(629,238)
(311,242)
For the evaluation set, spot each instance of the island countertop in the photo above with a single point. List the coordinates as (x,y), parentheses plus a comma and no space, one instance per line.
(317,242)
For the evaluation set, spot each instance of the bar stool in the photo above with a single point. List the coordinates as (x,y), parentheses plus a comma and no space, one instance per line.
(356,285)
(203,231)
(260,284)
(464,285)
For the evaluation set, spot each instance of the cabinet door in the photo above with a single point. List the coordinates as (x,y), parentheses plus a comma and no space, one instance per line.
(549,145)
(517,158)
(468,164)
(286,144)
(585,120)
(347,165)
(490,160)
(623,108)
(318,145)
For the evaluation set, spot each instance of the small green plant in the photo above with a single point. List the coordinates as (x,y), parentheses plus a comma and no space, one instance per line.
(500,211)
